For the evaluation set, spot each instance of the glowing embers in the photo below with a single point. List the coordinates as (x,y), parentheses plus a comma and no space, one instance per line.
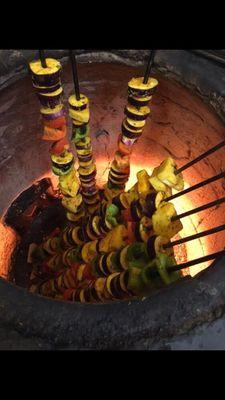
(8,242)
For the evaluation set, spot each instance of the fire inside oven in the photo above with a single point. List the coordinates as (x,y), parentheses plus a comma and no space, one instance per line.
(109,222)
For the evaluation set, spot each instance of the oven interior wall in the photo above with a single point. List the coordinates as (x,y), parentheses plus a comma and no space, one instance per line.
(181,126)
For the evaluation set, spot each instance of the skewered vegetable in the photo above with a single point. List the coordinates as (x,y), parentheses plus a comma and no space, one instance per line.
(47,84)
(134,255)
(67,279)
(136,113)
(152,277)
(165,176)
(161,221)
(142,91)
(46,77)
(116,248)
(69,184)
(79,112)
(62,164)
(101,289)
(78,283)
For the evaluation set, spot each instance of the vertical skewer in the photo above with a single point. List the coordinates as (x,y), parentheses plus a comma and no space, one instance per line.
(75,74)
(42,58)
(149,66)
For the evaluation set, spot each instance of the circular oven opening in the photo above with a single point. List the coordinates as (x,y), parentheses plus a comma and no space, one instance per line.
(181,126)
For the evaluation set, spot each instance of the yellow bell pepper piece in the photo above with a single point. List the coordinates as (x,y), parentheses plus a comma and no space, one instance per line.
(166,174)
(80,116)
(161,221)
(143,185)
(89,251)
(114,240)
(72,203)
(69,184)
(156,183)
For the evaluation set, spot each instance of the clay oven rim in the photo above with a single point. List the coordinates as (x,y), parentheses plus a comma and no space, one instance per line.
(171,311)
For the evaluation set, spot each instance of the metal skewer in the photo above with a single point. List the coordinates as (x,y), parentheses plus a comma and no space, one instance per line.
(197,186)
(42,58)
(75,74)
(195,236)
(149,66)
(199,209)
(201,157)
(200,260)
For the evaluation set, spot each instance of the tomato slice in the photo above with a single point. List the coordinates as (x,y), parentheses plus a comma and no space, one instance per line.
(87,273)
(123,149)
(127,215)
(58,146)
(45,268)
(131,230)
(55,123)
(53,134)
(68,293)
(54,233)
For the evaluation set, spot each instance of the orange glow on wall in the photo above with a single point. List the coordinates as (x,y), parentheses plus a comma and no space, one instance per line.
(8,241)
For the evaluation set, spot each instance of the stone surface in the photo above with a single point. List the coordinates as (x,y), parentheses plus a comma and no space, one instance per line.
(206,337)
(10,340)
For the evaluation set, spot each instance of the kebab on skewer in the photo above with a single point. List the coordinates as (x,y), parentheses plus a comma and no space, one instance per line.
(165,176)
(136,254)
(79,284)
(90,228)
(48,86)
(131,257)
(59,252)
(101,290)
(80,115)
(148,216)
(69,278)
(137,111)
(137,199)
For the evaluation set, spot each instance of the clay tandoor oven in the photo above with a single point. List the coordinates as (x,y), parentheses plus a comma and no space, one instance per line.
(186,120)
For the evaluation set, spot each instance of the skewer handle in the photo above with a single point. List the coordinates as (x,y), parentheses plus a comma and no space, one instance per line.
(149,66)
(201,157)
(200,260)
(199,209)
(42,58)
(196,236)
(75,74)
(197,186)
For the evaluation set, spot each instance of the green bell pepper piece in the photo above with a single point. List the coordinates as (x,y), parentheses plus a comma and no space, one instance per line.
(112,212)
(135,283)
(79,134)
(74,255)
(137,255)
